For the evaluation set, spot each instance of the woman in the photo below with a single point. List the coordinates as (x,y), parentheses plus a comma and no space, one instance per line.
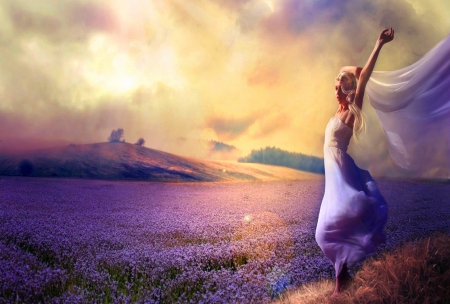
(353,212)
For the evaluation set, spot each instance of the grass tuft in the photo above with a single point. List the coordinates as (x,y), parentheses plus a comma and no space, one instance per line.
(417,272)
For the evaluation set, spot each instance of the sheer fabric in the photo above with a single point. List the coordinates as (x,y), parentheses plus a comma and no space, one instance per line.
(413,105)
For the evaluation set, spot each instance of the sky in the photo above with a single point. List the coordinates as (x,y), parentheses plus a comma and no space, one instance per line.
(249,73)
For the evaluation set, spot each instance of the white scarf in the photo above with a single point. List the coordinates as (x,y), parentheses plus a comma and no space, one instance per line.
(413,105)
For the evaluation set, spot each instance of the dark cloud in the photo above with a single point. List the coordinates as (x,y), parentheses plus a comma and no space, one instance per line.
(230,128)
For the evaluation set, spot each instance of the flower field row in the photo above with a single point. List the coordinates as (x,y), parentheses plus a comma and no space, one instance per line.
(77,241)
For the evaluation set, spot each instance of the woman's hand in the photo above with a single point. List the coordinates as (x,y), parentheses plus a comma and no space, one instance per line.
(386,36)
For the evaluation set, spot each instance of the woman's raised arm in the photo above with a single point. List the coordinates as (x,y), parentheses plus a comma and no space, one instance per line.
(386,36)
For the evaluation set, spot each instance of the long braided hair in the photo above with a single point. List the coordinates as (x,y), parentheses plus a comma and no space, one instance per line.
(348,87)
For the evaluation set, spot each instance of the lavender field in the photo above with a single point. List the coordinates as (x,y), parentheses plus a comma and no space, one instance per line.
(78,241)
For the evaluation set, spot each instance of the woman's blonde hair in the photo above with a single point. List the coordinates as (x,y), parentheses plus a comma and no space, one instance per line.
(348,87)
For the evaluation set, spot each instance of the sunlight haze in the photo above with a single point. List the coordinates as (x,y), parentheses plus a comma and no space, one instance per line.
(251,73)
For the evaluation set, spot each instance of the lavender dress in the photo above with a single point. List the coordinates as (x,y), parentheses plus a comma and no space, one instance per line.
(353,212)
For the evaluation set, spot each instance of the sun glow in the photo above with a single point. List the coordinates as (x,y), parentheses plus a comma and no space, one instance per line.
(269,4)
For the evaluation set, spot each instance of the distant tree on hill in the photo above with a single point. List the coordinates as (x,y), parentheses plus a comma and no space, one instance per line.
(25,167)
(116,135)
(278,157)
(140,142)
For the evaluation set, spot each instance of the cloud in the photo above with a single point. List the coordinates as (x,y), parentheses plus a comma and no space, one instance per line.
(229,128)
(296,16)
(232,5)
(255,126)
(158,93)
(251,14)
(268,124)
(349,27)
(91,16)
(59,21)
(263,75)
(24,20)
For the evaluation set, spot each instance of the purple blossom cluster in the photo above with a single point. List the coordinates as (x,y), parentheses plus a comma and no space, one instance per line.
(78,241)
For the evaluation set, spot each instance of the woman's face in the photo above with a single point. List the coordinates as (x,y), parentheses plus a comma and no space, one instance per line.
(340,96)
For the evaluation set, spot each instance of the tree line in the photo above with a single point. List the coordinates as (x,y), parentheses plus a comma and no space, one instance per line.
(279,157)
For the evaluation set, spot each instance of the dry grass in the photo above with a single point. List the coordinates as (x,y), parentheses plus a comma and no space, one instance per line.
(417,272)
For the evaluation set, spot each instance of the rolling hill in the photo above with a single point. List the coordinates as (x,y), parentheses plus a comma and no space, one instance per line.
(125,161)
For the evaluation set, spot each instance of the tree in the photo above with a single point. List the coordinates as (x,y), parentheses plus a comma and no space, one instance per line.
(25,167)
(116,135)
(140,142)
(278,157)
